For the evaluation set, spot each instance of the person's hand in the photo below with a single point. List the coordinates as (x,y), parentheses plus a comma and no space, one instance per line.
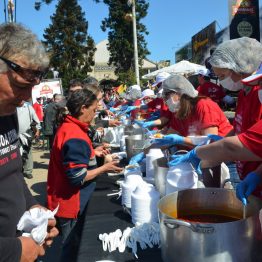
(215,137)
(114,122)
(101,151)
(30,250)
(137,158)
(52,232)
(246,187)
(112,166)
(169,140)
(37,134)
(190,157)
(148,124)
(110,112)
(130,108)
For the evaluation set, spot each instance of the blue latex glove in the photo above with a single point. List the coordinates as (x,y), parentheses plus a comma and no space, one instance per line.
(246,187)
(137,158)
(169,140)
(148,124)
(191,157)
(154,117)
(139,122)
(130,108)
(113,110)
(215,137)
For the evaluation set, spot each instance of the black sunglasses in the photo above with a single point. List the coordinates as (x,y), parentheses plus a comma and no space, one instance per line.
(26,73)
(167,94)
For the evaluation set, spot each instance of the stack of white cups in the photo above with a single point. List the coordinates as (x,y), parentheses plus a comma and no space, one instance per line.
(144,200)
(153,154)
(128,186)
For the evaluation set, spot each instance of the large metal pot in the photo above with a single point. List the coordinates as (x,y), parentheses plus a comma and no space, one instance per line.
(134,145)
(187,240)
(161,170)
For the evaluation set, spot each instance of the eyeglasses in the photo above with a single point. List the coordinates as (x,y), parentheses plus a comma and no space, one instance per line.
(26,73)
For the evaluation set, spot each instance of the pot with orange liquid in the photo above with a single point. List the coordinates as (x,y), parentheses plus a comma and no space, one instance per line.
(206,224)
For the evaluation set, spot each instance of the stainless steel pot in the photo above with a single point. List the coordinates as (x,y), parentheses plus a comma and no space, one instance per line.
(134,145)
(183,240)
(161,170)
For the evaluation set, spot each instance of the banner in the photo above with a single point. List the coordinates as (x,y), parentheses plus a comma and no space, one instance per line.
(202,42)
(244,19)
(47,88)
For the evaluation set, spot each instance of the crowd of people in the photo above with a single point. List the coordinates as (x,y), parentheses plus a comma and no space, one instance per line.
(74,126)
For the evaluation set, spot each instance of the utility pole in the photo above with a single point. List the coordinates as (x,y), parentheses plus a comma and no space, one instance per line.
(132,2)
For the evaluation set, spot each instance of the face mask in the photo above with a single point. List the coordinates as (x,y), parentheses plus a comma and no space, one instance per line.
(173,106)
(229,84)
(260,95)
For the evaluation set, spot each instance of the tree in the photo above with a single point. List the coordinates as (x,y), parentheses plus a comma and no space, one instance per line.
(120,35)
(71,48)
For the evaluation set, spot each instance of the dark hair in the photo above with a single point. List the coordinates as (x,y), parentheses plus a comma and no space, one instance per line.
(93,88)
(187,106)
(79,98)
(90,81)
(75,82)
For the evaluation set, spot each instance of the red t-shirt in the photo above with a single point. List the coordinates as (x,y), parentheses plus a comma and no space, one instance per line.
(159,104)
(39,111)
(206,114)
(145,114)
(252,139)
(209,89)
(248,113)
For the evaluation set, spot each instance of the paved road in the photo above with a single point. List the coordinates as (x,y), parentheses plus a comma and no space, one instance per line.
(37,185)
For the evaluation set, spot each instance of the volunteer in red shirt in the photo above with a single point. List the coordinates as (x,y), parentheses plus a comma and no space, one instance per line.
(71,169)
(233,61)
(209,89)
(192,114)
(162,114)
(38,107)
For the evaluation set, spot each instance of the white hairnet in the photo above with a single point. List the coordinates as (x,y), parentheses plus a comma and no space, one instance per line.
(242,55)
(134,94)
(179,84)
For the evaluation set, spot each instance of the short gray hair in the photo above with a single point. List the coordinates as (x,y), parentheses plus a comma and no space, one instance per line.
(18,43)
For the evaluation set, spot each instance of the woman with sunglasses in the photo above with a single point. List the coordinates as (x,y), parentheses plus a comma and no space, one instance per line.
(70,179)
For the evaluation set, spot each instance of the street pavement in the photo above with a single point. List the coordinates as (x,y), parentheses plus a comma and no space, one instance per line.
(37,186)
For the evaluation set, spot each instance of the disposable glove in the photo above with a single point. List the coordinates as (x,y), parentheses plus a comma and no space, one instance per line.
(215,137)
(246,187)
(139,122)
(169,140)
(148,124)
(191,157)
(154,116)
(137,158)
(112,109)
(130,108)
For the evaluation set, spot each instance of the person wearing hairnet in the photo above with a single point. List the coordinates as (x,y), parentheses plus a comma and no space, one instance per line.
(244,147)
(161,114)
(192,114)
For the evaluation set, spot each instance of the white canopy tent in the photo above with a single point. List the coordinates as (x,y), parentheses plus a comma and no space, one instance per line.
(183,67)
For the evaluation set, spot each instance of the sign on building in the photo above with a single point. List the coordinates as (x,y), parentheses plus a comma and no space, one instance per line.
(244,19)
(202,42)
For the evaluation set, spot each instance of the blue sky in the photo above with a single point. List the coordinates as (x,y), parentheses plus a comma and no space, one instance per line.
(170,23)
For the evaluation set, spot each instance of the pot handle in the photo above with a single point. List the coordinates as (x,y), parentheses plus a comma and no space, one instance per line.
(174,223)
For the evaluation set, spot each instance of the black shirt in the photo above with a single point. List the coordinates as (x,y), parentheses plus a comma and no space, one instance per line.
(15,197)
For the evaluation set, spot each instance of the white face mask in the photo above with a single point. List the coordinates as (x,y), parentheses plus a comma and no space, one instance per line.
(229,84)
(260,95)
(173,106)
